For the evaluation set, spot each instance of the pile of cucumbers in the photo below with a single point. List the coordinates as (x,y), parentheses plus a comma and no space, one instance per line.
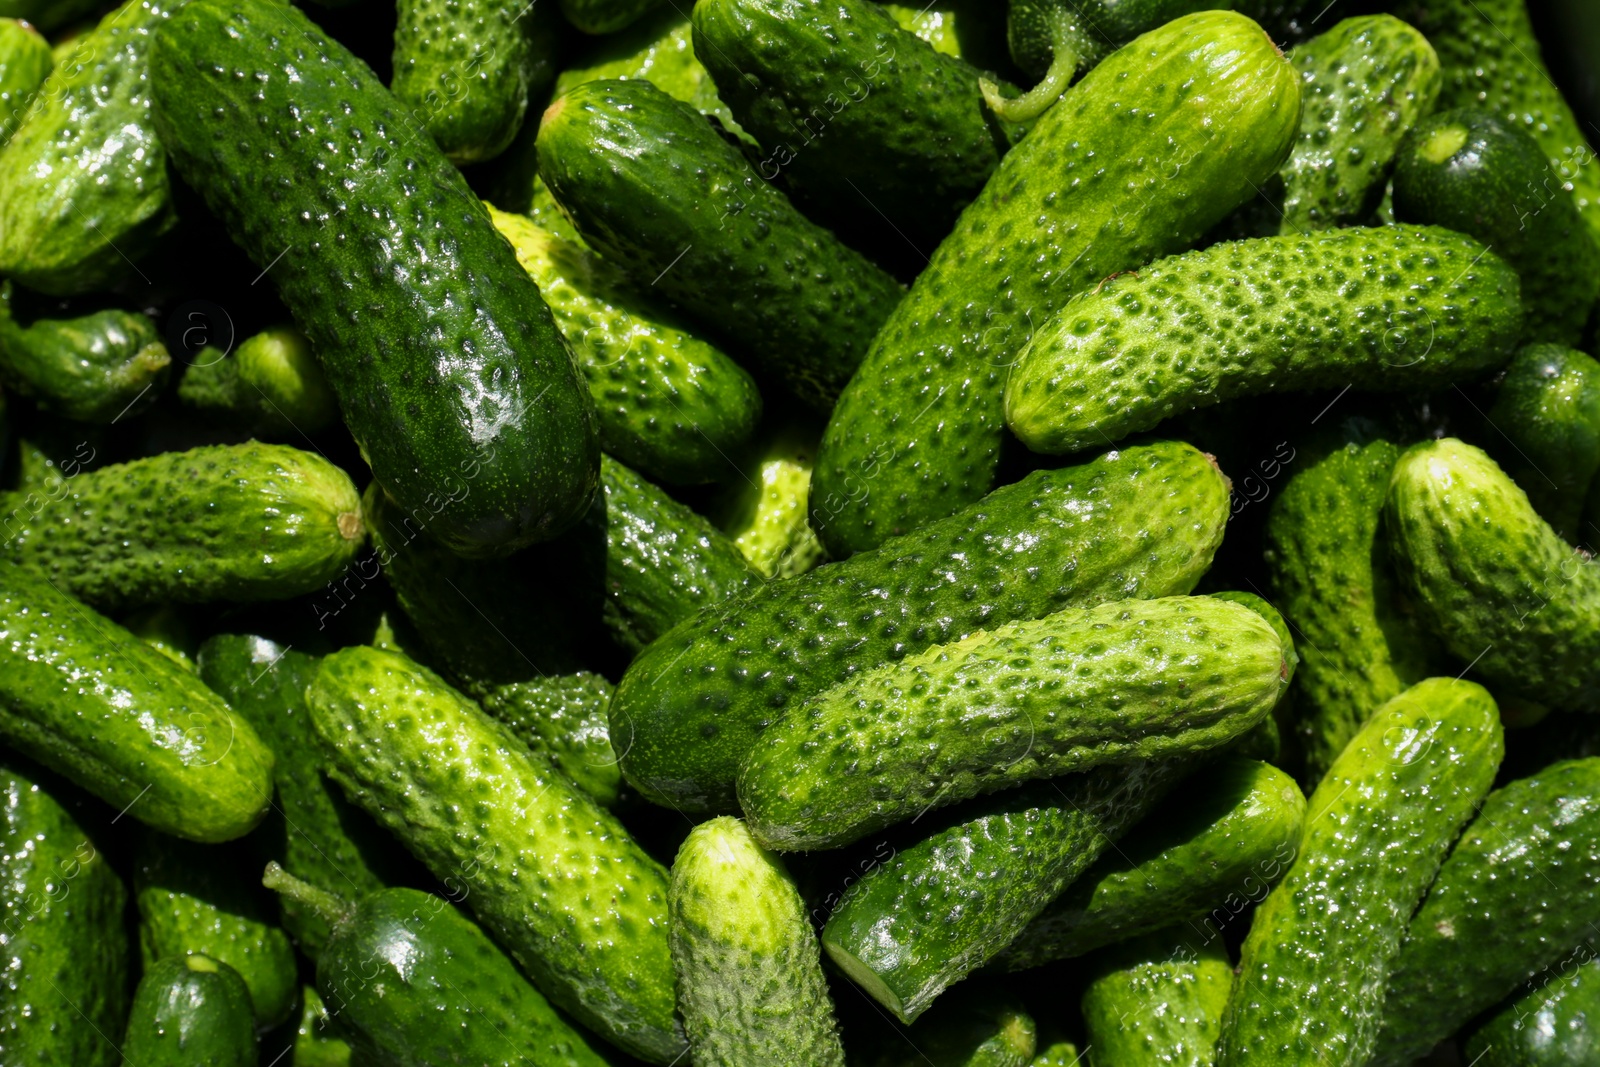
(796,533)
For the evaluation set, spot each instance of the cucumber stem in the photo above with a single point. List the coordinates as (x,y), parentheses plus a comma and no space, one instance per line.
(1065,55)
(329,907)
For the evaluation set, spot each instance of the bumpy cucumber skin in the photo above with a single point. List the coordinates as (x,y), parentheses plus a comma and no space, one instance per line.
(949,903)
(1492,579)
(1517,894)
(1321,946)
(62,938)
(96,704)
(1556,1024)
(188,1011)
(551,874)
(668,403)
(688,211)
(1367,81)
(1189,116)
(1125,681)
(84,191)
(449,370)
(1142,522)
(270,386)
(563,716)
(605,16)
(1158,1000)
(1222,837)
(1548,412)
(25,62)
(1387,309)
(750,981)
(764,513)
(659,49)
(462,68)
(1499,188)
(415,983)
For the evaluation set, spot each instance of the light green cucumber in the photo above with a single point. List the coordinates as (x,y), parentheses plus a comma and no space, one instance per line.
(270,386)
(764,510)
(316,1044)
(983,1028)
(563,716)
(1546,431)
(25,62)
(1157,1000)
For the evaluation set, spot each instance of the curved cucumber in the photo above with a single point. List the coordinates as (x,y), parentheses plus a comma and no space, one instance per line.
(563,716)
(462,68)
(1556,1024)
(25,62)
(764,513)
(190,1011)
(270,386)
(1547,418)
(1387,309)
(1322,945)
(1158,1000)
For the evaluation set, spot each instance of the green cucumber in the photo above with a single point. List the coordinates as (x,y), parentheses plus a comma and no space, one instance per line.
(938,28)
(1476,172)
(93,702)
(315,1042)
(1321,947)
(688,212)
(1097,27)
(750,982)
(1497,585)
(25,62)
(270,386)
(563,716)
(949,903)
(462,68)
(1546,419)
(672,405)
(449,370)
(606,16)
(1127,681)
(1059,1054)
(984,1029)
(49,15)
(190,1011)
(1217,843)
(1366,83)
(220,522)
(167,630)
(1142,522)
(764,512)
(1516,896)
(660,49)
(554,877)
(1191,116)
(63,944)
(1555,1024)
(84,192)
(1157,1000)
(1389,309)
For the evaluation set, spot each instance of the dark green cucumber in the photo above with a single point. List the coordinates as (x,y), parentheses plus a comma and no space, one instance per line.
(462,68)
(220,522)
(605,16)
(84,192)
(946,905)
(1158,1000)
(563,716)
(1478,173)
(93,702)
(63,945)
(1217,843)
(1499,587)
(1321,947)
(981,1029)
(1555,1024)
(1123,682)
(552,875)
(750,981)
(168,630)
(1386,309)
(270,386)
(1142,522)
(1097,27)
(190,1011)
(1366,83)
(1517,895)
(450,373)
(689,211)
(1546,419)
(670,404)
(1136,161)
(764,513)
(49,15)
(315,1042)
(25,62)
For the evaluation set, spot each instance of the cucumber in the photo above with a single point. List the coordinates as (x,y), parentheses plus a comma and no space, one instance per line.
(1059,1054)
(462,68)
(920,427)
(660,49)
(1321,947)
(940,28)
(764,512)
(750,982)
(63,944)
(688,212)
(270,386)
(1217,843)
(219,522)
(1547,418)
(460,391)
(1388,309)
(25,62)
(1157,1000)
(94,703)
(315,1043)
(554,877)
(985,1029)
(1517,895)
(1123,682)
(49,15)
(1142,522)
(606,16)
(167,630)
(672,405)
(1366,83)
(84,193)
(1555,1024)
(1497,585)
(1455,165)
(563,717)
(947,904)
(190,1011)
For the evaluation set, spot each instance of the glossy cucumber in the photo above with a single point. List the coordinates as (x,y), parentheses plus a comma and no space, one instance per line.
(270,386)
(1097,27)
(1547,421)
(25,62)
(985,1028)
(605,16)
(659,49)
(462,68)
(190,1011)
(1158,1000)
(563,717)
(1554,1024)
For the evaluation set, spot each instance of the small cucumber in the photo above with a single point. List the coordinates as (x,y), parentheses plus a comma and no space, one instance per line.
(1122,682)
(315,1042)
(1157,1000)
(1391,308)
(1322,945)
(750,981)
(190,1011)
(220,522)
(462,68)
(1547,418)
(270,386)
(563,717)
(982,1029)
(1517,895)
(25,62)
(1555,1024)
(764,512)
(552,875)
(1478,173)
(606,16)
